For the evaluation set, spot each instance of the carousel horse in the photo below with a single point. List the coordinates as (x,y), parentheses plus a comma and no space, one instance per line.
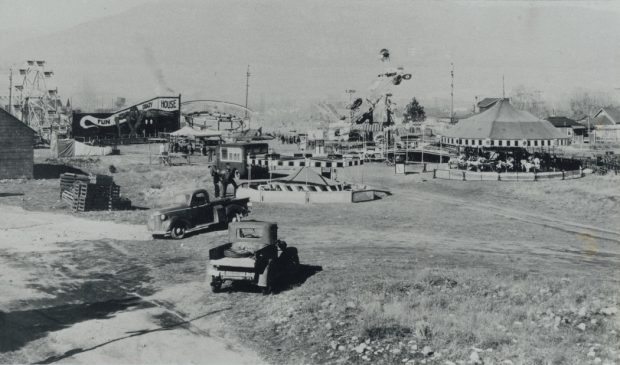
(476,163)
(528,166)
(456,160)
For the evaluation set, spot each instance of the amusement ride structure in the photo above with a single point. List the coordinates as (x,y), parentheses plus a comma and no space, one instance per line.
(36,103)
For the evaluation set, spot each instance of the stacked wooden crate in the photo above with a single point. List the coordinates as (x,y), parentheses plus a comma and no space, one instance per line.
(67,180)
(97,192)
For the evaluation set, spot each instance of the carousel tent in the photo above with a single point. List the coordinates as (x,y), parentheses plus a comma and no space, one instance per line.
(191,132)
(306,175)
(504,126)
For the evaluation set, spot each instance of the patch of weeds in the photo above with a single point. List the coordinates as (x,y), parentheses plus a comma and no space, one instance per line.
(495,341)
(388,330)
(167,320)
(442,281)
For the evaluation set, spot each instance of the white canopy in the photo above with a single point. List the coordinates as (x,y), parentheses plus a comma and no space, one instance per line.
(191,132)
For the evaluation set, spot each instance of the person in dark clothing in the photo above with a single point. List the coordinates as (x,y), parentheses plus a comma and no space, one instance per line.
(216,180)
(229,179)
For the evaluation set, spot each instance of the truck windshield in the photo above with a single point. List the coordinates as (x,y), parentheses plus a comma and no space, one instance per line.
(182,199)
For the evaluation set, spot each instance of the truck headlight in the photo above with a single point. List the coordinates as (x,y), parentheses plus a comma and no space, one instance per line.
(163,217)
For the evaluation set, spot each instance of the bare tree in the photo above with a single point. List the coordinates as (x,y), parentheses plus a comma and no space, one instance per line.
(583,102)
(530,100)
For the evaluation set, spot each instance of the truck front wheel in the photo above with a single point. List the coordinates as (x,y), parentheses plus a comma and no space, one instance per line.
(178,231)
(236,217)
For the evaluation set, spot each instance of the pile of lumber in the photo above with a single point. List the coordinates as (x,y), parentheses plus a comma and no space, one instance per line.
(94,192)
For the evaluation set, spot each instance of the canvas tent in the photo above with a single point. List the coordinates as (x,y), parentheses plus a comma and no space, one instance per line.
(504,126)
(191,132)
(73,148)
(307,176)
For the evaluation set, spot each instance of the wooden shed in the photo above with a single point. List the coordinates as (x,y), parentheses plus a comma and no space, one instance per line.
(16,148)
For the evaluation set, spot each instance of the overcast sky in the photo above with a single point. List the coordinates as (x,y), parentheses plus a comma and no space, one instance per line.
(320,48)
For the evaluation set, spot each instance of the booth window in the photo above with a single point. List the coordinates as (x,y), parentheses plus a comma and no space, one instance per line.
(231,154)
(499,143)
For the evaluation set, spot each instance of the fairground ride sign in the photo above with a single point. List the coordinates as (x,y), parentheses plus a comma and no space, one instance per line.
(161,114)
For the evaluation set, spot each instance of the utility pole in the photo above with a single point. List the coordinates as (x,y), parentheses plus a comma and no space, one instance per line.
(247,88)
(11,91)
(503,88)
(350,92)
(452,93)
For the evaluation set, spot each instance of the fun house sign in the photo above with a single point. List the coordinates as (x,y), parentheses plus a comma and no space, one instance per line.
(161,114)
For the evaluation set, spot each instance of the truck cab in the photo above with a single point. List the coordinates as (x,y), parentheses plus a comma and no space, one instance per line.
(193,211)
(253,254)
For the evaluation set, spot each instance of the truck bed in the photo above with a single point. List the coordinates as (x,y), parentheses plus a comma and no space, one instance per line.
(242,262)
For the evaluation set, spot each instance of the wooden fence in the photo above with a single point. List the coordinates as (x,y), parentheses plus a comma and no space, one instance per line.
(505,176)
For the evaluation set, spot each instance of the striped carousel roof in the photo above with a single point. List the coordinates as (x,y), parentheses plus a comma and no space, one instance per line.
(504,122)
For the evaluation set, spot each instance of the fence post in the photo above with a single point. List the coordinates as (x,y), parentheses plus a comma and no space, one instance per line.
(499,177)
(563,175)
(434,173)
(463,175)
(424,168)
(535,176)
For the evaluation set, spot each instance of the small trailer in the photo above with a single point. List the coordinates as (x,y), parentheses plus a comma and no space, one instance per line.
(253,254)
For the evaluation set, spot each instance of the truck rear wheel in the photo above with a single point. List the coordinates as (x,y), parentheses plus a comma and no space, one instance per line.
(216,285)
(178,231)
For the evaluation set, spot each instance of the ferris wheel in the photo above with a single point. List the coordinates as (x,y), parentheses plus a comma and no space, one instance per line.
(37,102)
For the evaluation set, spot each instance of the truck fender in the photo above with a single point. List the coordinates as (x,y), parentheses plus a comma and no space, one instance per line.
(219,213)
(234,209)
(174,221)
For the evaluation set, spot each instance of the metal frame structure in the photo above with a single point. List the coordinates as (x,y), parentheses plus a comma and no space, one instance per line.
(36,106)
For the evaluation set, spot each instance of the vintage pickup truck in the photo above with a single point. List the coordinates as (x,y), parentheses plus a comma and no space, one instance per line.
(193,211)
(253,254)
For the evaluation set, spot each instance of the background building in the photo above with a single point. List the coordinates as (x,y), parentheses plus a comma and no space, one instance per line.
(16,148)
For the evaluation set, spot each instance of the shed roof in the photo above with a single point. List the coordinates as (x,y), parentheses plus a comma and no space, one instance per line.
(607,116)
(564,122)
(7,118)
(487,102)
(503,122)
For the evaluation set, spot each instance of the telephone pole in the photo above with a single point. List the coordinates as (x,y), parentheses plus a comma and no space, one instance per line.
(11,91)
(452,93)
(247,88)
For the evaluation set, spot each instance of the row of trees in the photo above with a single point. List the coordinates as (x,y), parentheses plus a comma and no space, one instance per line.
(578,103)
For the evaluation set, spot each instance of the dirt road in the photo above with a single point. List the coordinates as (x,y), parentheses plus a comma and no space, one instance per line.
(63,301)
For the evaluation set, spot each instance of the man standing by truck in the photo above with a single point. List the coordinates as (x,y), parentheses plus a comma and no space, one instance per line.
(215,174)
(229,179)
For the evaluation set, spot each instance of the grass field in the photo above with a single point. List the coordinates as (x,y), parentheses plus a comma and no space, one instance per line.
(440,272)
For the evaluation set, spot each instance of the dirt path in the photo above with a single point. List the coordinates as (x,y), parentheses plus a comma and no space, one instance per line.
(108,325)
